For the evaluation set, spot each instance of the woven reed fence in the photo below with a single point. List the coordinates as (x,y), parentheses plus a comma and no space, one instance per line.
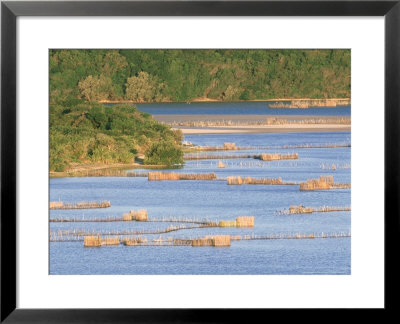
(323,183)
(308,210)
(92,241)
(241,221)
(159,176)
(79,205)
(248,180)
(300,210)
(216,241)
(110,241)
(136,215)
(243,148)
(277,157)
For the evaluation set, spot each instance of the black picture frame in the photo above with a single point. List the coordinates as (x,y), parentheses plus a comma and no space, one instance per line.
(10,10)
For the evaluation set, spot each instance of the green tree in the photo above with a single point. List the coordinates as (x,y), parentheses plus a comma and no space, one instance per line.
(112,63)
(96,88)
(164,153)
(144,87)
(230,93)
(245,95)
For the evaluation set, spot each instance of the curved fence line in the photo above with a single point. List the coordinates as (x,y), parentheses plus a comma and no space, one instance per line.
(300,209)
(140,241)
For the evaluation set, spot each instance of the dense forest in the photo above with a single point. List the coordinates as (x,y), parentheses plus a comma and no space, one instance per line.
(185,75)
(82,130)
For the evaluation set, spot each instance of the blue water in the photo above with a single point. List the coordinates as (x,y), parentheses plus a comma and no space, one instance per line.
(237,108)
(247,257)
(215,200)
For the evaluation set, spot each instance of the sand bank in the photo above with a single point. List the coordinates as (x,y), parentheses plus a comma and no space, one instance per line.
(267,129)
(205,99)
(333,124)
(168,119)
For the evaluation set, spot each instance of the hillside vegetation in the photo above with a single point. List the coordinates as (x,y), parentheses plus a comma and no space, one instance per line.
(82,130)
(97,134)
(184,75)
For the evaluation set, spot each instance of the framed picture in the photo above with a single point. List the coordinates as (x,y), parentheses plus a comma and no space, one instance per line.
(281,117)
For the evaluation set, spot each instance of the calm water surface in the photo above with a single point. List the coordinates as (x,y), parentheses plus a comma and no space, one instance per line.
(215,200)
(236,108)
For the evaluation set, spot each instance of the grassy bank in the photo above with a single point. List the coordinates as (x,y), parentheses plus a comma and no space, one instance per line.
(91,134)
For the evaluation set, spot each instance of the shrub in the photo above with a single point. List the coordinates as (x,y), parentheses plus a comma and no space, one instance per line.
(245,95)
(164,153)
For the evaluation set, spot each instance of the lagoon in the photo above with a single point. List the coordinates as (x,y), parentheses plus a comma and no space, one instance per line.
(216,200)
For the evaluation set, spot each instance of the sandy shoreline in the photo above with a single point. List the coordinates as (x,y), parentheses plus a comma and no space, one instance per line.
(266,129)
(334,124)
(205,99)
(240,118)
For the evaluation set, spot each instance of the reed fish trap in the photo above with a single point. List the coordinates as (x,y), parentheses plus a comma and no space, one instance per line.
(229,223)
(202,242)
(221,240)
(245,221)
(79,205)
(241,221)
(234,180)
(160,176)
(110,241)
(277,156)
(140,215)
(230,146)
(92,241)
(216,241)
(249,180)
(134,241)
(300,209)
(323,183)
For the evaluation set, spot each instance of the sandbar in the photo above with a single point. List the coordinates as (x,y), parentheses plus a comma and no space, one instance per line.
(266,129)
(333,123)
